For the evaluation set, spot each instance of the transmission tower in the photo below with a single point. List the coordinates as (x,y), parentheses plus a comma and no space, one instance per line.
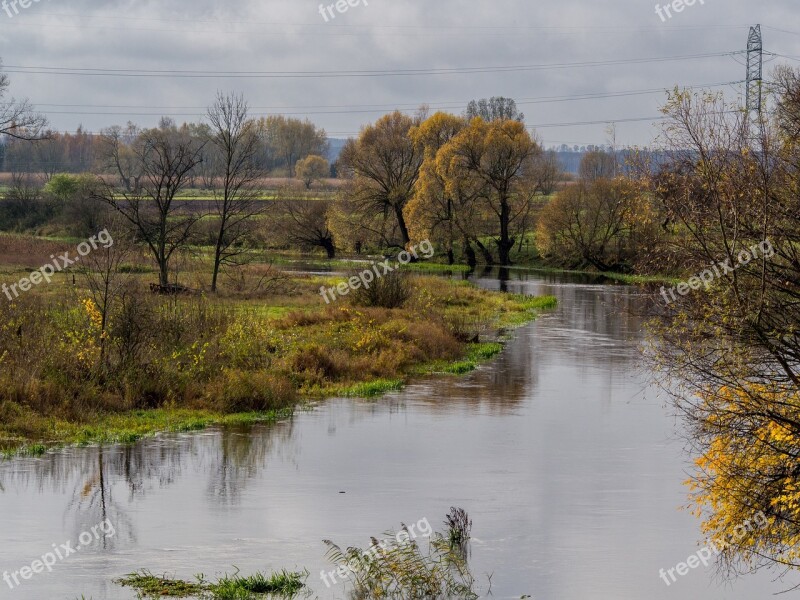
(755,77)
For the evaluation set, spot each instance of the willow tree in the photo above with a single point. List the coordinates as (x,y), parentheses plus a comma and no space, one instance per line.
(433,211)
(731,343)
(384,164)
(499,157)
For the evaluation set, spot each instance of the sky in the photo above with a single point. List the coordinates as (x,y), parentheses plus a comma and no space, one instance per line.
(574,66)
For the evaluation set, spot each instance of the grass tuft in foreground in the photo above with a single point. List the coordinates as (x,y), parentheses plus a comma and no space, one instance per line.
(152,586)
(236,587)
(284,584)
(403,570)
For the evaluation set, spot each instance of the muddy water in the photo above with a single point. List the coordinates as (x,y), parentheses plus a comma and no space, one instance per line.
(569,465)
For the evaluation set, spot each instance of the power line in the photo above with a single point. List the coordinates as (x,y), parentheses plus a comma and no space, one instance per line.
(341,74)
(371,26)
(352,29)
(376,108)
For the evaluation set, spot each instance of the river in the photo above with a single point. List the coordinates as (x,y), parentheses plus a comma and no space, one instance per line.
(569,464)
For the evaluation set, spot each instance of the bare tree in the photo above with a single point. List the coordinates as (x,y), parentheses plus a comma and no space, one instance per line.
(307,225)
(235,138)
(119,155)
(496,108)
(105,280)
(17,117)
(166,158)
(548,173)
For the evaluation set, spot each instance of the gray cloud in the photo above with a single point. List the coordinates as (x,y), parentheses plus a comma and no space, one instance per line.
(291,35)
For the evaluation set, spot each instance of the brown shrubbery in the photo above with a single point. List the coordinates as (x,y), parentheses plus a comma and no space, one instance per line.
(390,291)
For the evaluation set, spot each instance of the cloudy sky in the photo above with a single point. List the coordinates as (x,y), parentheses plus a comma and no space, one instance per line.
(101,63)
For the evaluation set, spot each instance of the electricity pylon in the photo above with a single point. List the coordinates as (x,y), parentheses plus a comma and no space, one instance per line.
(755,78)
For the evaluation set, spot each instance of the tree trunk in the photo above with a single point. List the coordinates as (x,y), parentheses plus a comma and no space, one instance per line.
(163,272)
(218,256)
(506,242)
(329,248)
(401,222)
(487,256)
(469,253)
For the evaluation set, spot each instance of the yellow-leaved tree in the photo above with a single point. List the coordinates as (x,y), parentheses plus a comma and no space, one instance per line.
(730,344)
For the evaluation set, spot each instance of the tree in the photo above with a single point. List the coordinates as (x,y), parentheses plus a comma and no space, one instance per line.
(549,173)
(106,282)
(385,164)
(83,213)
(312,168)
(17,118)
(498,156)
(494,109)
(593,222)
(730,340)
(165,157)
(306,225)
(437,211)
(235,138)
(598,165)
(293,139)
(119,155)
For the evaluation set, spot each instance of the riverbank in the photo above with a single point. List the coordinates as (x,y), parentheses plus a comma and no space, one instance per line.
(527,263)
(202,361)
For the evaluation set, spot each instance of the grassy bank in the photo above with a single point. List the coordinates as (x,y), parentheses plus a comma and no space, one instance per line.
(185,363)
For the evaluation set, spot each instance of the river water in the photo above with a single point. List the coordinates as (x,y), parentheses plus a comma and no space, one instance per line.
(569,464)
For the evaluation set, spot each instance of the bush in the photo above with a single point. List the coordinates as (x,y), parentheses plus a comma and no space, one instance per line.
(251,391)
(390,291)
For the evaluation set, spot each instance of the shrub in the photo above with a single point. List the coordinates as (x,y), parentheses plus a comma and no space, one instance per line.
(314,360)
(251,391)
(390,291)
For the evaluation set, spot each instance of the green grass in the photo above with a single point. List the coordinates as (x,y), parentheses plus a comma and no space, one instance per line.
(372,389)
(236,587)
(476,354)
(611,275)
(436,267)
(150,586)
(128,428)
(32,450)
(284,584)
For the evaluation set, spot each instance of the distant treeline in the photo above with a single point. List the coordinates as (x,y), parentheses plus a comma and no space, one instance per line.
(284,141)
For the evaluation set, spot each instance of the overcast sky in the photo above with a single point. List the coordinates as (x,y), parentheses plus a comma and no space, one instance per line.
(292,37)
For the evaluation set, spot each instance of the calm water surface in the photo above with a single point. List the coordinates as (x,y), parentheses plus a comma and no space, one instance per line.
(568,463)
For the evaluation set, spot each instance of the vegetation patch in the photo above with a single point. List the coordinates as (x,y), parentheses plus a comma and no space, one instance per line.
(80,371)
(371,389)
(281,584)
(405,570)
(152,586)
